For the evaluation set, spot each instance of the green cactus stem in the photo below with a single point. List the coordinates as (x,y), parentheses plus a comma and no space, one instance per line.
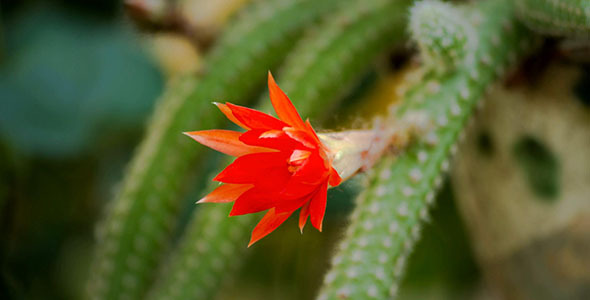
(442,33)
(569,18)
(345,44)
(386,222)
(324,66)
(140,219)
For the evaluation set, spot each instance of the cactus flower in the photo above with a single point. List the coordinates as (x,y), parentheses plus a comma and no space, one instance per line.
(281,165)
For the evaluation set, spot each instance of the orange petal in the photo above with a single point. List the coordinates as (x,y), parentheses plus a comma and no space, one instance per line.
(254,119)
(282,105)
(298,156)
(269,222)
(252,201)
(303,214)
(301,136)
(334,177)
(228,113)
(318,206)
(226,193)
(225,141)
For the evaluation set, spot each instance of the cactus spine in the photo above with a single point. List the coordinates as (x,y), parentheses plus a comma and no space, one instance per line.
(140,219)
(345,44)
(385,224)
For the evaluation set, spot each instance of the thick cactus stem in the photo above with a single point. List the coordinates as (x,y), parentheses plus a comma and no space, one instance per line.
(210,252)
(139,222)
(569,18)
(345,44)
(386,222)
(443,34)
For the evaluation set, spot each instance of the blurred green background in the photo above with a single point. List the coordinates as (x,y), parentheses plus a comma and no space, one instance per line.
(77,84)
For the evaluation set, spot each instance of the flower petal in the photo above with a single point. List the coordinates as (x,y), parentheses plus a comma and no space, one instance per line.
(298,156)
(295,189)
(226,193)
(255,168)
(252,201)
(301,136)
(312,171)
(274,139)
(255,119)
(228,113)
(335,179)
(292,204)
(318,206)
(225,141)
(269,222)
(303,214)
(282,105)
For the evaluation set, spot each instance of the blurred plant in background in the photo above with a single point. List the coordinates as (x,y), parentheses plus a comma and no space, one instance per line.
(76,87)
(65,82)
(502,84)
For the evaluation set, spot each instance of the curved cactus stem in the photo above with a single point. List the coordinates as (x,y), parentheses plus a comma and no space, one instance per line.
(570,18)
(443,34)
(140,219)
(324,66)
(209,252)
(386,222)
(346,43)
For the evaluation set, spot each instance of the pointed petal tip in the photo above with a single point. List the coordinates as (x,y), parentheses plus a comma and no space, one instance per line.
(192,134)
(302,225)
(202,200)
(254,240)
(271,81)
(282,105)
(320,226)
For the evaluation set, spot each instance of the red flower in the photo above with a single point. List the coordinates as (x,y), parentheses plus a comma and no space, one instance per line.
(281,165)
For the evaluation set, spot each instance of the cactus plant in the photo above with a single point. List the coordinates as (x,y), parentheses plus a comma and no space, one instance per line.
(386,222)
(443,35)
(408,76)
(570,18)
(527,177)
(463,50)
(329,49)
